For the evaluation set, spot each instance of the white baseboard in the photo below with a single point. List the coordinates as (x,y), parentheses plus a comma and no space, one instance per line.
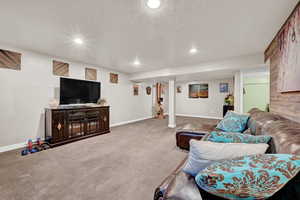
(12,147)
(172,126)
(199,116)
(131,121)
(15,146)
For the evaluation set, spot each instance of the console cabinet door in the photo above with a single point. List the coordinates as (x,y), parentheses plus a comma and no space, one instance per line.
(93,122)
(104,119)
(76,123)
(58,126)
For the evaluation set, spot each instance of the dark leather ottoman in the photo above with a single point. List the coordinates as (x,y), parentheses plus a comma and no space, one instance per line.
(191,131)
(183,139)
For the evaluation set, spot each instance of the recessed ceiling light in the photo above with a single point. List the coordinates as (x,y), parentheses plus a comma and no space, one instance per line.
(193,50)
(154,4)
(137,62)
(78,41)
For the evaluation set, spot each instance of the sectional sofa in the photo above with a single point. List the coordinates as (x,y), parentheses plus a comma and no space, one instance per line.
(285,140)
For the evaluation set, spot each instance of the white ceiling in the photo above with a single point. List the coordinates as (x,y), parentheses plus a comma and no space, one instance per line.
(201,76)
(117,31)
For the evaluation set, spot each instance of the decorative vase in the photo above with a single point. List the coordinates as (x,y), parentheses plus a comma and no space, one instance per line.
(53,103)
(102,102)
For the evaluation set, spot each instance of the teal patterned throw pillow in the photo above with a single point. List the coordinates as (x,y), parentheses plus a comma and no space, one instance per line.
(249,177)
(225,137)
(233,122)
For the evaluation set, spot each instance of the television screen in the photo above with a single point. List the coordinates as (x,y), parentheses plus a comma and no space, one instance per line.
(74,91)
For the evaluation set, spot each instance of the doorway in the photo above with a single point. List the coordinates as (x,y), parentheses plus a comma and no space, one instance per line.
(256,92)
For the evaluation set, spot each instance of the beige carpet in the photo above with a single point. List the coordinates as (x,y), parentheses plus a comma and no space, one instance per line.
(126,164)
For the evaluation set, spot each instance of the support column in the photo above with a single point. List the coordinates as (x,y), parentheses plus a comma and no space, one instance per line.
(238,92)
(172,112)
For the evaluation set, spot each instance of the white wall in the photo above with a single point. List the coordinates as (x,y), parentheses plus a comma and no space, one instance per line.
(210,107)
(25,94)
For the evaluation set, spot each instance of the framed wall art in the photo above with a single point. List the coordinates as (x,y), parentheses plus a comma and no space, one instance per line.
(60,68)
(179,89)
(198,91)
(135,90)
(90,74)
(288,45)
(114,78)
(10,60)
(224,87)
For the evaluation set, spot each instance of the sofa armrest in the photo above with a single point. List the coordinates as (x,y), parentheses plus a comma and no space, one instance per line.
(161,190)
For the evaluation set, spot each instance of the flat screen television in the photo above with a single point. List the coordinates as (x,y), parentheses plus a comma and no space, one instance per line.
(73,91)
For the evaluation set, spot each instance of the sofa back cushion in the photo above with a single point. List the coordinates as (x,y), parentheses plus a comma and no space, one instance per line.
(284,132)
(258,119)
(285,136)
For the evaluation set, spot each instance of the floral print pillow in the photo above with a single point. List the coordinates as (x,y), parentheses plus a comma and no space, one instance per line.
(249,177)
(224,137)
(233,122)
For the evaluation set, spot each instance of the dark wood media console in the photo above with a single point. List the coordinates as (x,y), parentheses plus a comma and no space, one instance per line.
(69,124)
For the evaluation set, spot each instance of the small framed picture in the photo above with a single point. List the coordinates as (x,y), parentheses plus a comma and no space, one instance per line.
(135,90)
(224,87)
(179,89)
(114,78)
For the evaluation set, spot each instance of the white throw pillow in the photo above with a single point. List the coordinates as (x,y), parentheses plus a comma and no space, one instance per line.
(204,153)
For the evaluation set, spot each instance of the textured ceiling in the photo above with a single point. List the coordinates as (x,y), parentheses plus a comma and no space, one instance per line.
(115,32)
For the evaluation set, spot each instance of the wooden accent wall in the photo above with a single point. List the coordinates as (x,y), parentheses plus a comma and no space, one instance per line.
(10,60)
(90,74)
(60,68)
(284,104)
